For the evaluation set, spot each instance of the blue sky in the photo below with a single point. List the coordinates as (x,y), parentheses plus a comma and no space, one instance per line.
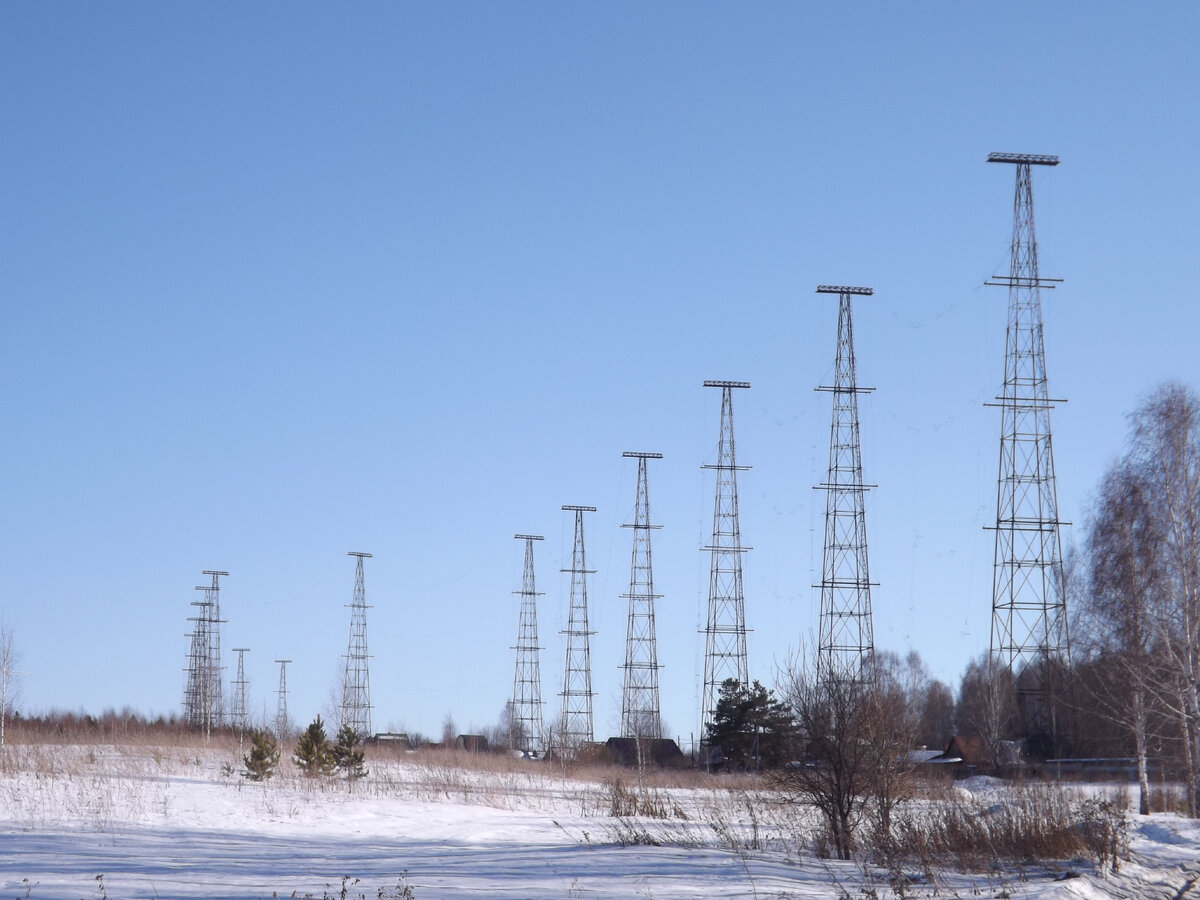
(286,280)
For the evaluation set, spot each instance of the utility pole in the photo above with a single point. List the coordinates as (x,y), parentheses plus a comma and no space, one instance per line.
(846,646)
(641,716)
(1029,607)
(356,685)
(577,720)
(725,632)
(525,719)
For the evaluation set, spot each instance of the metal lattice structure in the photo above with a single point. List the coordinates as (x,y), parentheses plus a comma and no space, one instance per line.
(283,725)
(356,682)
(525,716)
(239,716)
(578,726)
(846,644)
(1029,608)
(725,632)
(203,698)
(641,715)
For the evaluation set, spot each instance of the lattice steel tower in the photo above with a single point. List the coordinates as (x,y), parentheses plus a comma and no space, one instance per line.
(203,697)
(1029,607)
(846,646)
(525,716)
(725,631)
(282,724)
(640,711)
(239,716)
(356,683)
(196,701)
(577,721)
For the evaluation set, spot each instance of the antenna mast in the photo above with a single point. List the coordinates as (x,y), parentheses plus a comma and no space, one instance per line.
(846,647)
(238,715)
(725,634)
(1029,607)
(356,684)
(282,726)
(525,717)
(203,703)
(577,721)
(640,711)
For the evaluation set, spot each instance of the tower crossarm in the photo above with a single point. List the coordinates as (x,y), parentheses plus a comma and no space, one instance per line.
(1018,281)
(843,289)
(1032,159)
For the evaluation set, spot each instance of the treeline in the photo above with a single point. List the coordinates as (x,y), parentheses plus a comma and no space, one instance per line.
(70,726)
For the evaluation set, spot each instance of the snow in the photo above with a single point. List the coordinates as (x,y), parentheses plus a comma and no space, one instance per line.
(180,823)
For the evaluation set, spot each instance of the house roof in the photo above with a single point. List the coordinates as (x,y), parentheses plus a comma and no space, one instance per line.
(971,749)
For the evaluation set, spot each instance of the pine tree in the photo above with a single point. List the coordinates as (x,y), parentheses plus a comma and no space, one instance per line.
(753,729)
(346,754)
(263,758)
(312,754)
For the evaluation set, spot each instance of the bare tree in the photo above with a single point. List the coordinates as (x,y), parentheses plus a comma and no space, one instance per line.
(987,704)
(8,673)
(1166,452)
(1117,615)
(928,702)
(855,763)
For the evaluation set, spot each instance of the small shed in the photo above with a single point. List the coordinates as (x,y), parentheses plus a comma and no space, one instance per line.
(471,743)
(399,740)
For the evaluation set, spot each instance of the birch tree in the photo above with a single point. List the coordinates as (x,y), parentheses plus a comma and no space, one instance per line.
(1166,452)
(1119,627)
(8,661)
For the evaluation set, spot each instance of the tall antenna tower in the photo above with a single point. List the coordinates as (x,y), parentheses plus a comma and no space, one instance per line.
(356,685)
(577,721)
(640,711)
(196,703)
(725,632)
(525,718)
(846,647)
(239,716)
(203,695)
(282,723)
(1029,607)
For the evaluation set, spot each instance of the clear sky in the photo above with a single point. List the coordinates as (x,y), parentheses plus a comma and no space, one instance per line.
(284,280)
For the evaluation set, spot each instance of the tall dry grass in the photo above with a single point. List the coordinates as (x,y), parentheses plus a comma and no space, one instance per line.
(1021,823)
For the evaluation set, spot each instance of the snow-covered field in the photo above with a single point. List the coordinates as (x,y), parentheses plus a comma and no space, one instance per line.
(89,822)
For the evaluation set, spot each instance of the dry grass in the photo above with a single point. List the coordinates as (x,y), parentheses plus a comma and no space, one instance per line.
(1029,823)
(100,772)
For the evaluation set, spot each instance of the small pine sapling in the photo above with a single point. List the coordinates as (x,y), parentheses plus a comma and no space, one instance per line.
(313,756)
(263,758)
(347,755)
